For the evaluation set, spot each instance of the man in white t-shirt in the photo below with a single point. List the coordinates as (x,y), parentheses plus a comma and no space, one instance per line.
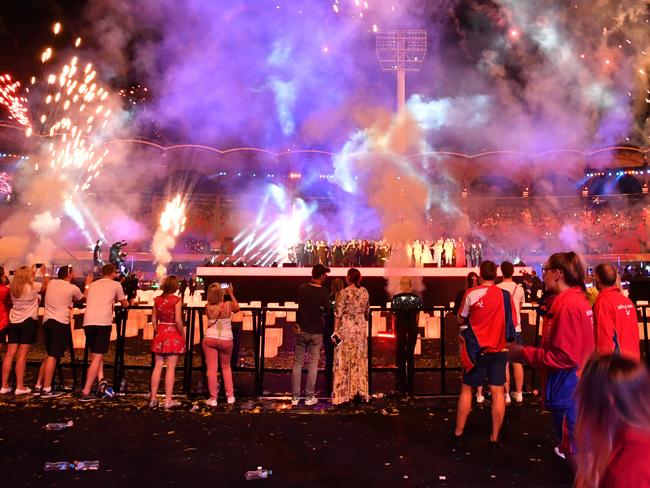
(59,298)
(518,296)
(101,295)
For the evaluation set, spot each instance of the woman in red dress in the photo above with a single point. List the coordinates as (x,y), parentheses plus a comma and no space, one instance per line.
(169,341)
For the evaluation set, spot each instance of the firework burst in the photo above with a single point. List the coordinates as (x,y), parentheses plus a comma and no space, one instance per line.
(16,103)
(171,225)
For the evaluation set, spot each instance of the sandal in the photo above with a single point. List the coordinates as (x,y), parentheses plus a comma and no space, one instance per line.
(172,404)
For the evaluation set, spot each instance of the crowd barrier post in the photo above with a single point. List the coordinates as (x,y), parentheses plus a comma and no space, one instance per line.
(85,364)
(645,335)
(261,349)
(369,355)
(443,353)
(538,323)
(204,367)
(121,315)
(189,349)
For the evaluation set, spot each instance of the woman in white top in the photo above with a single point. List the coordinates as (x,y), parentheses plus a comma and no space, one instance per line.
(23,328)
(218,340)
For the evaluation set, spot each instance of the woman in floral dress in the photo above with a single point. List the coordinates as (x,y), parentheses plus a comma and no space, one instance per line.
(351,355)
(169,340)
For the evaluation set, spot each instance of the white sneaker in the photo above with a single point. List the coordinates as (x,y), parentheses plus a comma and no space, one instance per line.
(231,400)
(295,401)
(508,399)
(311,401)
(480,398)
(23,391)
(519,397)
(5,391)
(211,402)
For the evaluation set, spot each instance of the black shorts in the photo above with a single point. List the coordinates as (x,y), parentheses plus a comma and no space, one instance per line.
(23,332)
(3,335)
(57,338)
(98,337)
(490,367)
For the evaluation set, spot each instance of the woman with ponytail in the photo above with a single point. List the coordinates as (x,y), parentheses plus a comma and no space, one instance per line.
(567,343)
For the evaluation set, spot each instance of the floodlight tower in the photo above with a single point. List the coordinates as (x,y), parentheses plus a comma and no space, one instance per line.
(401,51)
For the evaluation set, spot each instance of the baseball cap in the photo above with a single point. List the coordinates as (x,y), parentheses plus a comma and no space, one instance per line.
(319,270)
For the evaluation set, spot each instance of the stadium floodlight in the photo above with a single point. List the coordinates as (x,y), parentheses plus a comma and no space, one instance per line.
(401,51)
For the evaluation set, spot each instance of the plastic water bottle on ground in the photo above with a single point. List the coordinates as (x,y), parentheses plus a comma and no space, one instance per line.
(258,474)
(57,466)
(86,465)
(59,425)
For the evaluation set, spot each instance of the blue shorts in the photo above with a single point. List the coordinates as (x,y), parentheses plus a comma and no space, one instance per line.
(490,367)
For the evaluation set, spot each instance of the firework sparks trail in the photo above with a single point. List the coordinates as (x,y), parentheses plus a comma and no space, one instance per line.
(74,116)
(11,98)
(170,226)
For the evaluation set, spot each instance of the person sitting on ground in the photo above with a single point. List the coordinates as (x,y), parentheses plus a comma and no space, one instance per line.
(487,322)
(406,306)
(101,296)
(567,343)
(168,341)
(23,327)
(613,431)
(617,329)
(59,298)
(351,354)
(218,341)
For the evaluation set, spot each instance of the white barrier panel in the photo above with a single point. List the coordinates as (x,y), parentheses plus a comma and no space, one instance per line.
(147,333)
(270,318)
(432,330)
(247,323)
(273,341)
(78,339)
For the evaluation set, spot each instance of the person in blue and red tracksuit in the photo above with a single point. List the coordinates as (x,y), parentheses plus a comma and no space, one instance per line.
(567,344)
(617,329)
(487,321)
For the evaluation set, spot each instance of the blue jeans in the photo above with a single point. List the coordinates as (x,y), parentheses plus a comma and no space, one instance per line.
(312,343)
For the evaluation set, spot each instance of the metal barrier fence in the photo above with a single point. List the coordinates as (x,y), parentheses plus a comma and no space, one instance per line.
(194,321)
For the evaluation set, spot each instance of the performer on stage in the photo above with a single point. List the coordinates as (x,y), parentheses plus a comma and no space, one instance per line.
(98,262)
(460,253)
(437,252)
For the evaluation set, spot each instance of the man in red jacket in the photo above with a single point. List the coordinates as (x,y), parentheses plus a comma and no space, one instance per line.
(617,329)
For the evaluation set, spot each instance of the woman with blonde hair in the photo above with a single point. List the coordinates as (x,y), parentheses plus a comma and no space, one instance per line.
(613,432)
(406,306)
(23,325)
(169,340)
(218,341)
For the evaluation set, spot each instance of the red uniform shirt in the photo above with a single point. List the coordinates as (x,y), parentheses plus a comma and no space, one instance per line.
(628,465)
(617,330)
(484,308)
(5,306)
(569,337)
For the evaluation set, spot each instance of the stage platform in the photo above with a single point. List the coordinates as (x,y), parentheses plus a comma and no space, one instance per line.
(278,285)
